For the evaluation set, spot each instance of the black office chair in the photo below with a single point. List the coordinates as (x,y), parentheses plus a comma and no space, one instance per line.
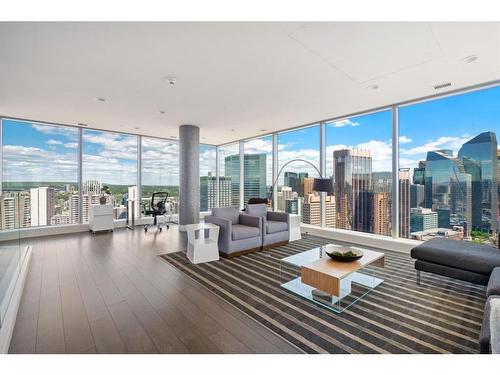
(158,207)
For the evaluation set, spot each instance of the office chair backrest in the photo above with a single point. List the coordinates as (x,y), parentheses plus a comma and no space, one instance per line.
(158,202)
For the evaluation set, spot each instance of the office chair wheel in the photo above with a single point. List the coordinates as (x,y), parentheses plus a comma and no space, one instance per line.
(168,226)
(160,229)
(145,229)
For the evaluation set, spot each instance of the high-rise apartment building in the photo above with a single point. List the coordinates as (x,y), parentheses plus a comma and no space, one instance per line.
(311,210)
(292,206)
(15,210)
(382,213)
(284,194)
(308,185)
(404,202)
(41,206)
(208,192)
(134,201)
(479,158)
(92,187)
(352,170)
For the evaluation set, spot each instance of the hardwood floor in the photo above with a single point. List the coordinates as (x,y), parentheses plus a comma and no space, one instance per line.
(110,293)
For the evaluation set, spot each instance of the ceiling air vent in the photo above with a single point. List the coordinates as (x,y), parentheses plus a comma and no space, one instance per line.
(442,86)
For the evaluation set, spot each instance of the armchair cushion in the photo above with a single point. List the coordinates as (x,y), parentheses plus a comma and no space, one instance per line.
(241,232)
(278,216)
(229,213)
(256,209)
(252,221)
(276,226)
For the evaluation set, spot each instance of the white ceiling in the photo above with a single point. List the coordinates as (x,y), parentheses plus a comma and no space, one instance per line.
(234,80)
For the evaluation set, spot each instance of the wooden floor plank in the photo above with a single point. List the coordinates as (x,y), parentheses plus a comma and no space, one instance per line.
(111,293)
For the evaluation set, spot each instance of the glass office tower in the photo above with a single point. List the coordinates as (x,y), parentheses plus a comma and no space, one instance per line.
(448,190)
(254,176)
(479,157)
(352,171)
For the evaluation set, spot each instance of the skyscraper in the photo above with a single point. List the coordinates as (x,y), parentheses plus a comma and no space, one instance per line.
(419,173)
(382,214)
(404,202)
(42,205)
(417,195)
(208,192)
(479,157)
(291,180)
(352,170)
(15,210)
(448,186)
(254,167)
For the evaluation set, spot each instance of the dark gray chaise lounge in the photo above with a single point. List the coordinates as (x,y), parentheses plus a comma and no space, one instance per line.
(463,260)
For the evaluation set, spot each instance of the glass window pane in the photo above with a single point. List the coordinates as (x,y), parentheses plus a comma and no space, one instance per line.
(229,179)
(160,172)
(359,159)
(109,161)
(449,146)
(295,194)
(40,163)
(258,168)
(207,177)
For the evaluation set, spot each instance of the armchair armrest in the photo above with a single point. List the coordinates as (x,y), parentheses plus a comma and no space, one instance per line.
(225,230)
(251,221)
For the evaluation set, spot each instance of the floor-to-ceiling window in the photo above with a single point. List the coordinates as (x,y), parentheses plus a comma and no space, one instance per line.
(40,165)
(229,175)
(294,193)
(359,160)
(258,168)
(208,189)
(109,170)
(450,148)
(160,172)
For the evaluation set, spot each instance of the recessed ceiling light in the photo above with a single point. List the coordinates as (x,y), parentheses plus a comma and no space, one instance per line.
(263,130)
(232,130)
(442,85)
(81,124)
(162,112)
(100,99)
(136,128)
(470,59)
(373,87)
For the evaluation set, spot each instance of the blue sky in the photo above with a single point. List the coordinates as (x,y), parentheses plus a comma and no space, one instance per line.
(32,150)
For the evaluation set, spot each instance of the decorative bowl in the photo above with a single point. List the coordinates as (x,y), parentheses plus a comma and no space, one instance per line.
(344,254)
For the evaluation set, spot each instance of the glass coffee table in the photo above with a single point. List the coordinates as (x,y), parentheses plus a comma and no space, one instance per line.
(329,283)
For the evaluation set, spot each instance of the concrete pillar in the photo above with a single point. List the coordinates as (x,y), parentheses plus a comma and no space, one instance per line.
(189,175)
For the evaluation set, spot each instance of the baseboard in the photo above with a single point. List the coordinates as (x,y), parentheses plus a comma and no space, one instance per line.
(9,321)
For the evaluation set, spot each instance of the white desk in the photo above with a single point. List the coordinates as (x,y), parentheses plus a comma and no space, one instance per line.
(101,217)
(294,231)
(200,248)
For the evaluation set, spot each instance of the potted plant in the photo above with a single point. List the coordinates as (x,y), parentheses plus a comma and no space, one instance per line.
(104,194)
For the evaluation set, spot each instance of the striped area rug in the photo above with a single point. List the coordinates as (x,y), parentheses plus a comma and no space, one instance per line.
(440,316)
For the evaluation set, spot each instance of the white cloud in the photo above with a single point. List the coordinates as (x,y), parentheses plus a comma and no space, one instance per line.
(404,139)
(71,145)
(53,142)
(342,123)
(452,143)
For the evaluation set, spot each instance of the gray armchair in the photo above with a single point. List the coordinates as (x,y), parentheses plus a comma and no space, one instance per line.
(238,233)
(275,225)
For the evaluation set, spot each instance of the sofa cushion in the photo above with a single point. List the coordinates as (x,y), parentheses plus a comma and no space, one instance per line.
(495,325)
(276,226)
(240,232)
(229,213)
(493,288)
(459,254)
(256,209)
